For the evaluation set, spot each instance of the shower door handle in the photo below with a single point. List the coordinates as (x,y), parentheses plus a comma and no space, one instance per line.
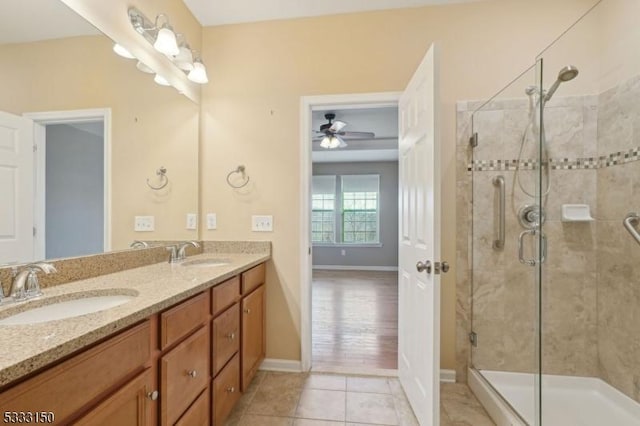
(543,248)
(530,262)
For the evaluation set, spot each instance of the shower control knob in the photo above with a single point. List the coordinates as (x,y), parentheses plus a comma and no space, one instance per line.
(426,266)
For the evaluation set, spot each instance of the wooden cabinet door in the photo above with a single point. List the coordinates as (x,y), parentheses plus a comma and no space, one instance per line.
(132,405)
(253,334)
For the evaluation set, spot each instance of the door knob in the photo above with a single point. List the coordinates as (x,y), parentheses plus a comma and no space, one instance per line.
(445,267)
(426,266)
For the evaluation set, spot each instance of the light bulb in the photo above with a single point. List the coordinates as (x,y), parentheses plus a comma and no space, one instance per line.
(122,51)
(166,41)
(161,80)
(325,142)
(144,68)
(199,73)
(334,142)
(184,59)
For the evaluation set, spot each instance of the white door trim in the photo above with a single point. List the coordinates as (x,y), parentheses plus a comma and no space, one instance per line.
(307,105)
(60,117)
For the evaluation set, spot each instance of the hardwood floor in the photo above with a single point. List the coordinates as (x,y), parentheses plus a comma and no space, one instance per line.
(355,319)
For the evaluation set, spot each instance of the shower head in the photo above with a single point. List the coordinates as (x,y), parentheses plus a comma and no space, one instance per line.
(567,73)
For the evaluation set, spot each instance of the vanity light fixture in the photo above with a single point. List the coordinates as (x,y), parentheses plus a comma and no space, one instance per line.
(166,41)
(144,68)
(163,38)
(199,73)
(122,51)
(161,80)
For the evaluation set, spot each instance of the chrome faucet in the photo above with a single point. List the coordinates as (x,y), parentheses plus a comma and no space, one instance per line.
(182,249)
(139,244)
(178,251)
(25,285)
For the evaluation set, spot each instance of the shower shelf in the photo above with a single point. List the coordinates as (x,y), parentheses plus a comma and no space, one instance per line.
(576,213)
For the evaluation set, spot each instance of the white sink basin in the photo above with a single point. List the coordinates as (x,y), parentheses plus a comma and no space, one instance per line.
(204,263)
(66,309)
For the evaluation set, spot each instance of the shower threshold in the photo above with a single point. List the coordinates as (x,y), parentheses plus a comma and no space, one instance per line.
(566,400)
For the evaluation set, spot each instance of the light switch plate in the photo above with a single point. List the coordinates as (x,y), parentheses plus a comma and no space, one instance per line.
(144,223)
(262,223)
(212,221)
(192,221)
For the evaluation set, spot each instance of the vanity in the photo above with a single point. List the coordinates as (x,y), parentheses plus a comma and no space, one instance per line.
(181,352)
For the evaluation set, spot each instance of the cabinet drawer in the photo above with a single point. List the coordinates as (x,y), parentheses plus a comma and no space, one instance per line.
(225,294)
(226,390)
(226,337)
(198,413)
(129,406)
(253,278)
(182,319)
(184,373)
(72,384)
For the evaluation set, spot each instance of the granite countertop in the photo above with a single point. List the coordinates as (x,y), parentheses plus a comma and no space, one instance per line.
(26,348)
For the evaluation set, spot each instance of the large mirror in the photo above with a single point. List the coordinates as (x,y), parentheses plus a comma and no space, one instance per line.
(104,131)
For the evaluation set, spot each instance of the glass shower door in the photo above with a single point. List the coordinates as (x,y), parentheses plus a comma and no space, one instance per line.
(505,234)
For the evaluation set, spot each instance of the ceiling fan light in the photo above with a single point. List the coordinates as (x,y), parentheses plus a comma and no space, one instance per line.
(121,51)
(161,80)
(166,41)
(334,142)
(325,142)
(199,72)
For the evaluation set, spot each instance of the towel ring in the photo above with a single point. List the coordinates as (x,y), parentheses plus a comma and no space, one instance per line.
(164,180)
(241,170)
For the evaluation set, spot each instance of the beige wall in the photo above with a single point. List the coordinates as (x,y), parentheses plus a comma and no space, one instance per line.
(152,126)
(250,113)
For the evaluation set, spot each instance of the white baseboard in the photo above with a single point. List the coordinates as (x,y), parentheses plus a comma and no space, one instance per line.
(356,268)
(448,376)
(286,365)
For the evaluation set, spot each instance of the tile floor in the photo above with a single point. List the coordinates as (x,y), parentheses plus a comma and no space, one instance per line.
(287,399)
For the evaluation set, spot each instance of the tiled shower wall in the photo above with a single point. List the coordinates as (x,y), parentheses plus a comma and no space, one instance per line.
(618,255)
(591,290)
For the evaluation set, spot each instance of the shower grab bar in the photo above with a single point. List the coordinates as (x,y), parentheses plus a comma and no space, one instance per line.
(629,221)
(499,242)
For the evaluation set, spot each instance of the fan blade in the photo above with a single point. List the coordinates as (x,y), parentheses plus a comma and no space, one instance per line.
(337,125)
(358,135)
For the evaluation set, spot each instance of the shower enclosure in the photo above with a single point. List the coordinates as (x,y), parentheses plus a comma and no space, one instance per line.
(554,231)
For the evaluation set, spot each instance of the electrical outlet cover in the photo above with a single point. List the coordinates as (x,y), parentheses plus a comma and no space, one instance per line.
(212,221)
(192,221)
(144,223)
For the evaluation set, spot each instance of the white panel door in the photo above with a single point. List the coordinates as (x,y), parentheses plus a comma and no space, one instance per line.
(16,188)
(419,292)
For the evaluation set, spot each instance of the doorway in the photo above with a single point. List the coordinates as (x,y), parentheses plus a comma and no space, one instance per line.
(351,296)
(354,235)
(72,183)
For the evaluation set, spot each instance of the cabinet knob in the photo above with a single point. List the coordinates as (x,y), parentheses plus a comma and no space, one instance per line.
(153,395)
(193,373)
(247,310)
(231,389)
(231,336)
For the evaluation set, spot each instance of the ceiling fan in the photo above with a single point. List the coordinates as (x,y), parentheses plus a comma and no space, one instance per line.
(334,137)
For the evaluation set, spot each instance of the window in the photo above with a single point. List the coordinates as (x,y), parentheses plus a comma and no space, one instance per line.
(347,213)
(323,203)
(360,209)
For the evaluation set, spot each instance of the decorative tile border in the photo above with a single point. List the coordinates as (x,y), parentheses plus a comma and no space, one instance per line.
(614,159)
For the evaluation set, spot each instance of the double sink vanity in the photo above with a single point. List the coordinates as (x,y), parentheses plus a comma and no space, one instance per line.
(166,343)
